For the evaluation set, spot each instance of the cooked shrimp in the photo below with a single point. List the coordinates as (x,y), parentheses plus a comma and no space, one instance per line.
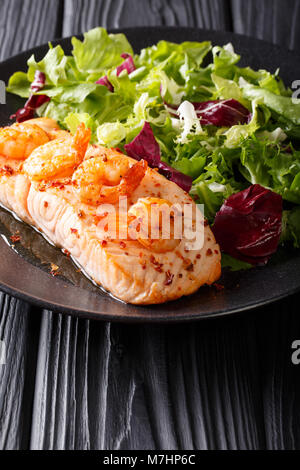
(58,158)
(19,140)
(50,126)
(104,152)
(101,180)
(155,224)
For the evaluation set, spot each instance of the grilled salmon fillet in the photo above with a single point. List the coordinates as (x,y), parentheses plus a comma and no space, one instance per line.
(62,188)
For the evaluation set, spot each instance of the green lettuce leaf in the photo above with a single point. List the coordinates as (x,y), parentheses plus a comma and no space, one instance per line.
(19,84)
(73,120)
(99,51)
(267,164)
(234,264)
(53,66)
(282,105)
(291,227)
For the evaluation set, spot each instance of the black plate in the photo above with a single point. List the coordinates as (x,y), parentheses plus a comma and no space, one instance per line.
(28,277)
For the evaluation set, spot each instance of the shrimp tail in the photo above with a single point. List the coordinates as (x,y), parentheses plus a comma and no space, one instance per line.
(81,140)
(133,177)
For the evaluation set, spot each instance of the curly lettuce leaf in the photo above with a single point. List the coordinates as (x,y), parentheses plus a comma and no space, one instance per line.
(268,165)
(291,227)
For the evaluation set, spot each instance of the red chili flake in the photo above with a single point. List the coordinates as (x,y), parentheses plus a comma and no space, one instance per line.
(180,276)
(126,253)
(105,158)
(104,243)
(216,251)
(46,204)
(153,260)
(190,267)
(81,214)
(169,278)
(209,252)
(15,238)
(67,253)
(74,230)
(198,256)
(56,184)
(218,286)
(6,170)
(179,254)
(158,269)
(156,263)
(123,245)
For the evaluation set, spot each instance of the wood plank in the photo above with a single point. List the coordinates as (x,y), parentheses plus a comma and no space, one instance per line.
(19,330)
(23,24)
(27,23)
(124,386)
(82,15)
(272,20)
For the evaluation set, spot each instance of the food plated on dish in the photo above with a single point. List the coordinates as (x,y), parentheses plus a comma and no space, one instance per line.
(199,124)
(58,183)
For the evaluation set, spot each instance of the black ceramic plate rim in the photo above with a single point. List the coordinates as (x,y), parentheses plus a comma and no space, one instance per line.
(13,291)
(143,314)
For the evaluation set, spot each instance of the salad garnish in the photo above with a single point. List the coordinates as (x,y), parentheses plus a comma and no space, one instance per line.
(248,225)
(34,101)
(145,146)
(213,127)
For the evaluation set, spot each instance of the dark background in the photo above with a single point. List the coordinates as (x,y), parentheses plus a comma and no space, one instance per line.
(219,384)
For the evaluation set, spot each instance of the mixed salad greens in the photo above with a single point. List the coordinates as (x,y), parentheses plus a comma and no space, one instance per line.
(209,125)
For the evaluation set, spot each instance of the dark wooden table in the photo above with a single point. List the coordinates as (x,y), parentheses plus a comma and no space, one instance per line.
(78,384)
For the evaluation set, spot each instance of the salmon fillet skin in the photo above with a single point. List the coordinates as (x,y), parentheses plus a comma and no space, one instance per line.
(132,270)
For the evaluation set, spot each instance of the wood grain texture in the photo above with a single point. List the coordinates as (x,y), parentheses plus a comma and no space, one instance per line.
(276,21)
(224,384)
(81,15)
(18,321)
(19,330)
(26,23)
(76,384)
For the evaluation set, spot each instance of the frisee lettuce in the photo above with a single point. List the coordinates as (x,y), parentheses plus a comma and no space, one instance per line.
(221,160)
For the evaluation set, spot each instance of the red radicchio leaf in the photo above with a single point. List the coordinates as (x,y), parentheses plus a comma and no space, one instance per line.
(105,82)
(39,81)
(222,113)
(248,225)
(218,112)
(144,146)
(128,65)
(34,101)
